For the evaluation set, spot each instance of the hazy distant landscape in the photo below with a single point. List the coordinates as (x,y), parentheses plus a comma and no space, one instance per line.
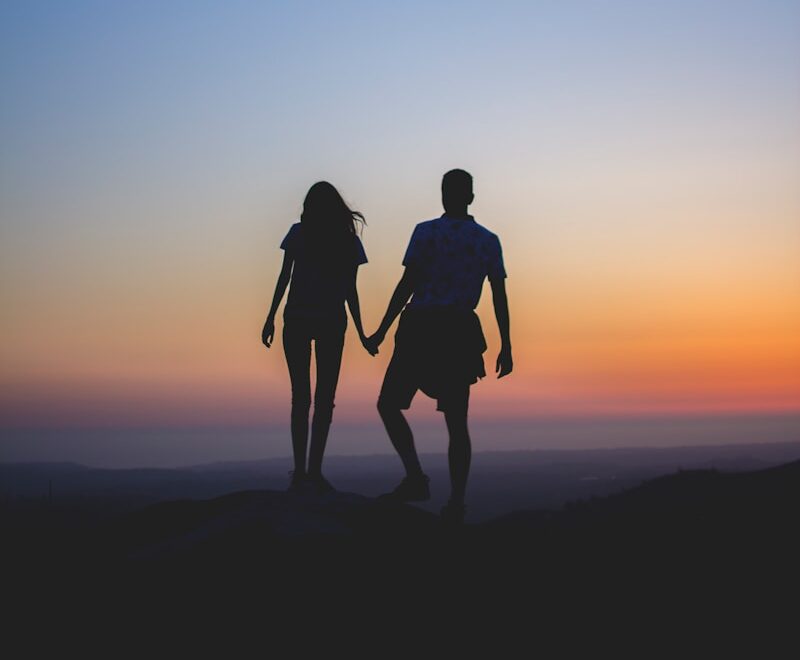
(117,447)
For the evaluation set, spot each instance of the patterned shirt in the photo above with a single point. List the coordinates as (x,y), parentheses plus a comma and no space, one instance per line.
(452,257)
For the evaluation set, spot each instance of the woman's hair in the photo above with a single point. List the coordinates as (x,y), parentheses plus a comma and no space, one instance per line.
(326,215)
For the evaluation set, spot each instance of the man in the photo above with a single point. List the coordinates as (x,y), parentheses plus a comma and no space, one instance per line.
(439,342)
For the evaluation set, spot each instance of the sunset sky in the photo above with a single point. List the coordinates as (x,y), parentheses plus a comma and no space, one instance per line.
(640,162)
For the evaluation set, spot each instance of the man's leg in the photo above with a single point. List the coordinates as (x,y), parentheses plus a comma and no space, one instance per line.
(414,488)
(397,392)
(401,437)
(459,452)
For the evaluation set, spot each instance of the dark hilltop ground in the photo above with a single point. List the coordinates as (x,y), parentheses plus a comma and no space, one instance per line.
(684,544)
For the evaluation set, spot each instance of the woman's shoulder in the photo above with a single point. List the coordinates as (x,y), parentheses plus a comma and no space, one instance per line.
(292,236)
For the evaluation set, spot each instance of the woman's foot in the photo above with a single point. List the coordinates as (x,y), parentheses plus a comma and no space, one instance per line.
(319,484)
(297,480)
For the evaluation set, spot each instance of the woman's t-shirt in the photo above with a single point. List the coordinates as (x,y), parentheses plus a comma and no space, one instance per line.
(321,274)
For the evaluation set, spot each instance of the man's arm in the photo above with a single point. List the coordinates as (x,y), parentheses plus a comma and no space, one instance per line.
(402,292)
(504,361)
(268,333)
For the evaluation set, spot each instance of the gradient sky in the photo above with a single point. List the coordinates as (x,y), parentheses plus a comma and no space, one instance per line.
(639,160)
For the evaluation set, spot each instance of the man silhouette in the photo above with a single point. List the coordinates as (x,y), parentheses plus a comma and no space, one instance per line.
(439,342)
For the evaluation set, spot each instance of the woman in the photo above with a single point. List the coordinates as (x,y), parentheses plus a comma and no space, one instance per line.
(322,256)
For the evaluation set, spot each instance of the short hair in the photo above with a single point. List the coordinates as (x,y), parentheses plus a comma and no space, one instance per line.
(457,182)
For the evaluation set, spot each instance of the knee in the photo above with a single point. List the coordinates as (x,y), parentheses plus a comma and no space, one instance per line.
(324,398)
(387,410)
(301,403)
(457,429)
(323,409)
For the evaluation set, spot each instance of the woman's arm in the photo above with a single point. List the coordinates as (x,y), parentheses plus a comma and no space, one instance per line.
(268,333)
(355,308)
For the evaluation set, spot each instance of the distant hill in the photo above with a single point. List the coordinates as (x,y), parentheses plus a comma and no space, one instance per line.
(701,502)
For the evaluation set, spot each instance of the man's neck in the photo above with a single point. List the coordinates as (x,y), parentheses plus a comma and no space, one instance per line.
(459,213)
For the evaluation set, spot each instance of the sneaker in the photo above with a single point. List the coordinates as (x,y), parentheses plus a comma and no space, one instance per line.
(297,480)
(319,484)
(452,514)
(410,489)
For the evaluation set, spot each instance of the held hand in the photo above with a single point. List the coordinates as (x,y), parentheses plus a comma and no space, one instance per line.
(504,362)
(268,333)
(373,342)
(370,348)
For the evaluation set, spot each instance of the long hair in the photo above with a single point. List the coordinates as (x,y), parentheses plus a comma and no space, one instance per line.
(326,215)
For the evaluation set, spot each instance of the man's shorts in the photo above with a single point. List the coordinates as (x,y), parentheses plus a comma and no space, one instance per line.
(438,351)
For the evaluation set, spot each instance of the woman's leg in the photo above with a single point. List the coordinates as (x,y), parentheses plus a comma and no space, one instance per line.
(328,351)
(297,347)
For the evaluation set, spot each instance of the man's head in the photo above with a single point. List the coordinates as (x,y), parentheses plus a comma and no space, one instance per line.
(457,191)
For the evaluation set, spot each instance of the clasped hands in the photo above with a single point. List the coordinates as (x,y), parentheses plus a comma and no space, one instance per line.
(371,344)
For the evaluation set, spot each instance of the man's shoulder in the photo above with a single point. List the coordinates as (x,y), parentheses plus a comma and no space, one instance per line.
(426,224)
(424,228)
(484,232)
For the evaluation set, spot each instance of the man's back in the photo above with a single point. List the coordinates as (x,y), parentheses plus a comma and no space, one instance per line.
(451,257)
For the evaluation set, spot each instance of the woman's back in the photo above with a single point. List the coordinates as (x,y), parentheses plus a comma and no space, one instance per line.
(323,269)
(320,264)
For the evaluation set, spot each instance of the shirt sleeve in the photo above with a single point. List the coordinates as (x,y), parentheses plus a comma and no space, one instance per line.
(289,242)
(413,253)
(495,268)
(360,254)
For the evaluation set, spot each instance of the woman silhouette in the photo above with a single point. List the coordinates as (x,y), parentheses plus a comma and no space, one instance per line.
(322,256)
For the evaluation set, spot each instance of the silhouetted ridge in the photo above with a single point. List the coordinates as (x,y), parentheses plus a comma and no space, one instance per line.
(699,504)
(749,514)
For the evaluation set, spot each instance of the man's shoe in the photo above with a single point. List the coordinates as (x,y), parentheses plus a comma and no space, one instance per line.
(410,489)
(452,514)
